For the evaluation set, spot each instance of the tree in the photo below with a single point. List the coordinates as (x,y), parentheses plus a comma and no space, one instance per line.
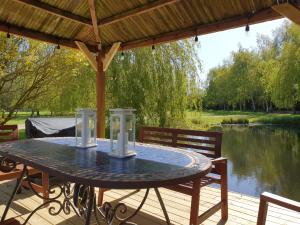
(26,69)
(262,78)
(155,83)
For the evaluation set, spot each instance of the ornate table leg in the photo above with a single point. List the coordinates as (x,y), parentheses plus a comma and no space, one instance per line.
(163,207)
(90,207)
(117,213)
(113,214)
(17,186)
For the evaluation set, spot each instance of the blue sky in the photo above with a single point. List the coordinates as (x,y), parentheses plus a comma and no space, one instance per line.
(216,47)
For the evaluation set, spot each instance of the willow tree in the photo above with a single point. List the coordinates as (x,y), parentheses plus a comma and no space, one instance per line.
(26,70)
(155,82)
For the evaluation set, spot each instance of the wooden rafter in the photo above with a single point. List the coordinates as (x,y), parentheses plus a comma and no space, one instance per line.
(90,57)
(20,31)
(110,55)
(56,11)
(92,8)
(289,11)
(261,16)
(136,11)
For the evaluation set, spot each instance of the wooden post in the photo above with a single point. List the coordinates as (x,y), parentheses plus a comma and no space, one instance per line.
(195,202)
(100,96)
(262,212)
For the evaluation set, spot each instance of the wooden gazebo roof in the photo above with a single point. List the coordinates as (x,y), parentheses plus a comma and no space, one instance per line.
(106,26)
(134,23)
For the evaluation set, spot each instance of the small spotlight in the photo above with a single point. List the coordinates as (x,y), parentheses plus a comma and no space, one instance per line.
(58,46)
(153,49)
(122,56)
(196,38)
(8,35)
(247,28)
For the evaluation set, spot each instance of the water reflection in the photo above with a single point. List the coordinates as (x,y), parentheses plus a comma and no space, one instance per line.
(263,158)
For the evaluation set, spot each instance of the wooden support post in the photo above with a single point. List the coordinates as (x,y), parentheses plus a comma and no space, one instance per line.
(100,96)
(289,11)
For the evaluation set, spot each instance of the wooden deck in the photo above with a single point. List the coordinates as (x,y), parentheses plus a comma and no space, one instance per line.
(242,209)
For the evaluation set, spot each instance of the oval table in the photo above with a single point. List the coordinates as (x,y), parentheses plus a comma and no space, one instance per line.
(153,166)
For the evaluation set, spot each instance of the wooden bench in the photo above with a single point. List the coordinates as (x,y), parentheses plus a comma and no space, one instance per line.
(206,143)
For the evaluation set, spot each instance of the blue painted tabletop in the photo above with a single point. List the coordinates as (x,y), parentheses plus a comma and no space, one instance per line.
(153,166)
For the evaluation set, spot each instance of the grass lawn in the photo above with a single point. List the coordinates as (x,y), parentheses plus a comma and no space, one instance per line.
(22,116)
(213,117)
(203,120)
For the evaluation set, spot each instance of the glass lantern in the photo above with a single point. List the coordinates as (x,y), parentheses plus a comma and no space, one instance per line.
(122,132)
(86,123)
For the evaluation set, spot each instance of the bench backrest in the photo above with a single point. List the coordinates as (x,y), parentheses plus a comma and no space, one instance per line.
(9,133)
(205,142)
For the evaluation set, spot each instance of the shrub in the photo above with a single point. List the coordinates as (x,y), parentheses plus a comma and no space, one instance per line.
(235,121)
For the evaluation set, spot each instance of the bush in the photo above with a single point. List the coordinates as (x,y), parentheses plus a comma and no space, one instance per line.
(235,121)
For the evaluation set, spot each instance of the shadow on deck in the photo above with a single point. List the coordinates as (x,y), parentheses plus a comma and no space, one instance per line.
(242,209)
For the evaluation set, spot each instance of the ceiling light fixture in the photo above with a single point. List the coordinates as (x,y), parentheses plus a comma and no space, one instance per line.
(122,56)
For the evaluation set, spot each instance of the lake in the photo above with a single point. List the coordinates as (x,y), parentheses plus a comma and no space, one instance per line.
(263,158)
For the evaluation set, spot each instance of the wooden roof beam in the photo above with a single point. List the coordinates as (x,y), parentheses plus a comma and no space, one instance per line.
(92,8)
(289,11)
(110,55)
(90,57)
(20,31)
(136,11)
(261,16)
(56,11)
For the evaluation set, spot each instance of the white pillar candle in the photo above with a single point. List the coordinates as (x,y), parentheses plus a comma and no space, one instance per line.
(85,130)
(125,143)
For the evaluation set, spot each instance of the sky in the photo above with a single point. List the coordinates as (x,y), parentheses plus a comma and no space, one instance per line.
(216,47)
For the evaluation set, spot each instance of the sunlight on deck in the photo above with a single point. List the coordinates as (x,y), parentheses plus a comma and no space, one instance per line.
(242,209)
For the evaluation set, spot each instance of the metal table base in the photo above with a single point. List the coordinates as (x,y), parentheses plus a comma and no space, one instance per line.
(82,200)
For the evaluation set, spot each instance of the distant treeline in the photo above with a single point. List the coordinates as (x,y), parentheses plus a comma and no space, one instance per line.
(266,78)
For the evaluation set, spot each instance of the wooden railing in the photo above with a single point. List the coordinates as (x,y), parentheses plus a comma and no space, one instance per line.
(266,198)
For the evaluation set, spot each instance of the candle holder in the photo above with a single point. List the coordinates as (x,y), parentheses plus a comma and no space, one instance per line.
(86,123)
(122,133)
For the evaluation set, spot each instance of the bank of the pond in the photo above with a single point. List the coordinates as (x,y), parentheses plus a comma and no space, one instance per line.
(210,118)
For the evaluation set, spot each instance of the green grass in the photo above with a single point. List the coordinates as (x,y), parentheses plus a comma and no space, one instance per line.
(215,117)
(22,134)
(206,119)
(22,116)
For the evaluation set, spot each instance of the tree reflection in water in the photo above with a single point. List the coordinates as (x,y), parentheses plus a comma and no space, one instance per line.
(263,158)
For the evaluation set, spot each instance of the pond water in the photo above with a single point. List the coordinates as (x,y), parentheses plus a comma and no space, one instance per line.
(263,158)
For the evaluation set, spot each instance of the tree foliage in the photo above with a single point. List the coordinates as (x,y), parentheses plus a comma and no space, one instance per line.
(263,78)
(159,84)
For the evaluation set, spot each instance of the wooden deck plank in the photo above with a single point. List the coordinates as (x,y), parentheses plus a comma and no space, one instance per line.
(242,209)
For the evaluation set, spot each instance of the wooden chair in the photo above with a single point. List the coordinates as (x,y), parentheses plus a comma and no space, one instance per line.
(206,143)
(10,133)
(266,198)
